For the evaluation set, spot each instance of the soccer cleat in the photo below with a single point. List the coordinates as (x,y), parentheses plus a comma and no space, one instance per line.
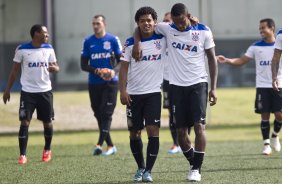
(266,150)
(194,175)
(46,155)
(22,159)
(139,174)
(147,177)
(174,149)
(110,151)
(275,144)
(97,150)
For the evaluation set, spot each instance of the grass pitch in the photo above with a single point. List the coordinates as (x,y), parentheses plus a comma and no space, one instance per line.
(232,156)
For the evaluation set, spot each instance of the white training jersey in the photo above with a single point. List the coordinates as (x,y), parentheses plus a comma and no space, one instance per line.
(146,75)
(34,63)
(166,66)
(278,42)
(186,52)
(262,53)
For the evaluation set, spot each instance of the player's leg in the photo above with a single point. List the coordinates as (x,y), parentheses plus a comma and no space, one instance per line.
(262,106)
(95,92)
(45,113)
(166,104)
(276,106)
(152,116)
(179,112)
(135,125)
(109,98)
(27,106)
(198,104)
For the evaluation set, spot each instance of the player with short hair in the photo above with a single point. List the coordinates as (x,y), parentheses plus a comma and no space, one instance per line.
(187,46)
(140,90)
(36,60)
(267,100)
(100,57)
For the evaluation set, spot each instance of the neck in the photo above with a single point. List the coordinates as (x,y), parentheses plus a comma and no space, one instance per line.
(101,34)
(35,43)
(146,35)
(269,39)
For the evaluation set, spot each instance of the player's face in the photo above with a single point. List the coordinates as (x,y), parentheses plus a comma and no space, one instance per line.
(265,31)
(43,35)
(146,24)
(167,18)
(98,25)
(181,22)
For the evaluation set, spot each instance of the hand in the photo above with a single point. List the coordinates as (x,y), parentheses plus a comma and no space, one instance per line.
(275,84)
(137,51)
(194,20)
(221,59)
(6,97)
(52,67)
(212,97)
(125,98)
(106,73)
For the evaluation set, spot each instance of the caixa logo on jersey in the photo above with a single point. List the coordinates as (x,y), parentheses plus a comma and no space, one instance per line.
(183,46)
(153,57)
(37,64)
(158,45)
(264,63)
(195,36)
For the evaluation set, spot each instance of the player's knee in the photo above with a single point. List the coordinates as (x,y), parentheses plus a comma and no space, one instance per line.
(199,129)
(135,135)
(25,123)
(278,116)
(181,132)
(48,124)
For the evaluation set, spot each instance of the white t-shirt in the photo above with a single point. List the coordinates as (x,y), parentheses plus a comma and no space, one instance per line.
(166,66)
(146,75)
(278,42)
(186,52)
(34,63)
(262,53)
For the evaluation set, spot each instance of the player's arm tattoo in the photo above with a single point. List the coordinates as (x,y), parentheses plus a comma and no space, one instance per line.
(275,63)
(213,68)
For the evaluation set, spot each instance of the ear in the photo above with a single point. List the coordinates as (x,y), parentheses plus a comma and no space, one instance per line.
(188,15)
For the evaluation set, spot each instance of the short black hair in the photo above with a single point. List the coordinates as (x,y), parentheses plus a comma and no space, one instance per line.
(35,28)
(178,9)
(145,11)
(270,22)
(102,16)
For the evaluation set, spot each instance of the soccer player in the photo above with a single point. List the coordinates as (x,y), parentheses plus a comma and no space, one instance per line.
(175,148)
(187,46)
(37,60)
(267,100)
(140,90)
(100,57)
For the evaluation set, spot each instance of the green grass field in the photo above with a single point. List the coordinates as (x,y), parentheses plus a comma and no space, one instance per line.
(232,155)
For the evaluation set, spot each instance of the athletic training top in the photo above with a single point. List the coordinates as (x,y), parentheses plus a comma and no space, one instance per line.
(186,52)
(146,75)
(34,63)
(99,51)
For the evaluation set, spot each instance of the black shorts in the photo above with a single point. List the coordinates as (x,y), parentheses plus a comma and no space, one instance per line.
(145,110)
(189,104)
(268,100)
(42,102)
(166,92)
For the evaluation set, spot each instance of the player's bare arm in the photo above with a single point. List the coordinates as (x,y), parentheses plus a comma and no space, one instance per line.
(274,68)
(124,96)
(233,61)
(13,75)
(137,50)
(213,69)
(53,67)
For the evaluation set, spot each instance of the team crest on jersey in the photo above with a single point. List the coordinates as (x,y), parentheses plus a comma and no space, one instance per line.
(107,45)
(158,45)
(195,36)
